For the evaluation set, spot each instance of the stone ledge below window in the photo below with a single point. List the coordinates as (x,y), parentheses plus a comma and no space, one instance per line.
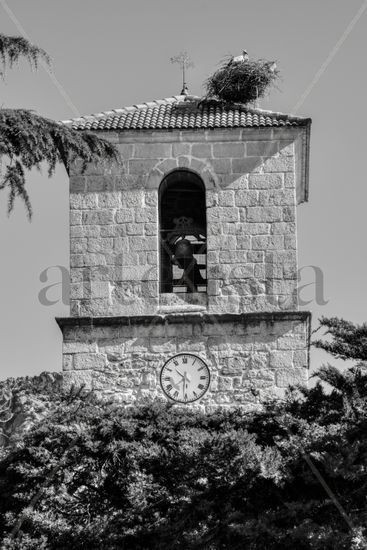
(177,302)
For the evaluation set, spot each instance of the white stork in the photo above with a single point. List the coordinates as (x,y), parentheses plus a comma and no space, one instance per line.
(272,67)
(239,58)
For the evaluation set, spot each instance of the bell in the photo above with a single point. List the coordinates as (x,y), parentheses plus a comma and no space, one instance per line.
(184,258)
(183,250)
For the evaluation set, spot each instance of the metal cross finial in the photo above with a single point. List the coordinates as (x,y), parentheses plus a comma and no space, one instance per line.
(183,59)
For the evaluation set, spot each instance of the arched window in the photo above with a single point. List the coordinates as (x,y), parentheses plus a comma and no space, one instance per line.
(182,218)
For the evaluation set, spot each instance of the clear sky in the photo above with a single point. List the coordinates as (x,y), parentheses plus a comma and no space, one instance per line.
(116,53)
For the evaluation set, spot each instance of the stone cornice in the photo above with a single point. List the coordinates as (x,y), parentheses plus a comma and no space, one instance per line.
(177,318)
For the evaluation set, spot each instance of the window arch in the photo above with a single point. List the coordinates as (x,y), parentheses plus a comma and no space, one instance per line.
(182,230)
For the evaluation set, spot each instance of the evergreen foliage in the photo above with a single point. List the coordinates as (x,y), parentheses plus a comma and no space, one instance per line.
(24,401)
(349,341)
(27,140)
(12,48)
(95,475)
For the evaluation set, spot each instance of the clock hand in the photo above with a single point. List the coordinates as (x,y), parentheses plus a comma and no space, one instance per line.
(183,376)
(185,384)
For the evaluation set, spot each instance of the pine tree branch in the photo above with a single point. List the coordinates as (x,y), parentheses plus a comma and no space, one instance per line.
(27,140)
(12,48)
(349,341)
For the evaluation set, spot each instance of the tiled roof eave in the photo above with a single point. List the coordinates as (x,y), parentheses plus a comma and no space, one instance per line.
(107,126)
(178,113)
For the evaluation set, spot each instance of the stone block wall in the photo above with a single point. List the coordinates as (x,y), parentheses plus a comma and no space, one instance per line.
(250,180)
(250,356)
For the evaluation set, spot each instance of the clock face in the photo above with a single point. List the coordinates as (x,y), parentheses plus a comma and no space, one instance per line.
(185,378)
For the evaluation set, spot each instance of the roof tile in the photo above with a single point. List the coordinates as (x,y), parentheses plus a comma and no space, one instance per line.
(184,112)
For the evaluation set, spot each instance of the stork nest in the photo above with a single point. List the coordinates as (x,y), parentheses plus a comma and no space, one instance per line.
(241,82)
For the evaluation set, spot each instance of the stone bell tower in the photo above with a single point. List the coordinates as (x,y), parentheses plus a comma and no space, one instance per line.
(184,257)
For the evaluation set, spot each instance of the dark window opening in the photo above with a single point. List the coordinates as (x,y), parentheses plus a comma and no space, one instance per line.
(182,218)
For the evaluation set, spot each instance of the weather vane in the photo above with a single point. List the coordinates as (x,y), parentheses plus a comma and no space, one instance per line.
(183,59)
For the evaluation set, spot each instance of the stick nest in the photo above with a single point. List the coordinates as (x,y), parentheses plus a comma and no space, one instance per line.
(241,82)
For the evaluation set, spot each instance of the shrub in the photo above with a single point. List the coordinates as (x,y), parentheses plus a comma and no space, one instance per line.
(293,475)
(94,475)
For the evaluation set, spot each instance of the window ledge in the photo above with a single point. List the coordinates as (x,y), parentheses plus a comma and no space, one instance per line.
(171,302)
